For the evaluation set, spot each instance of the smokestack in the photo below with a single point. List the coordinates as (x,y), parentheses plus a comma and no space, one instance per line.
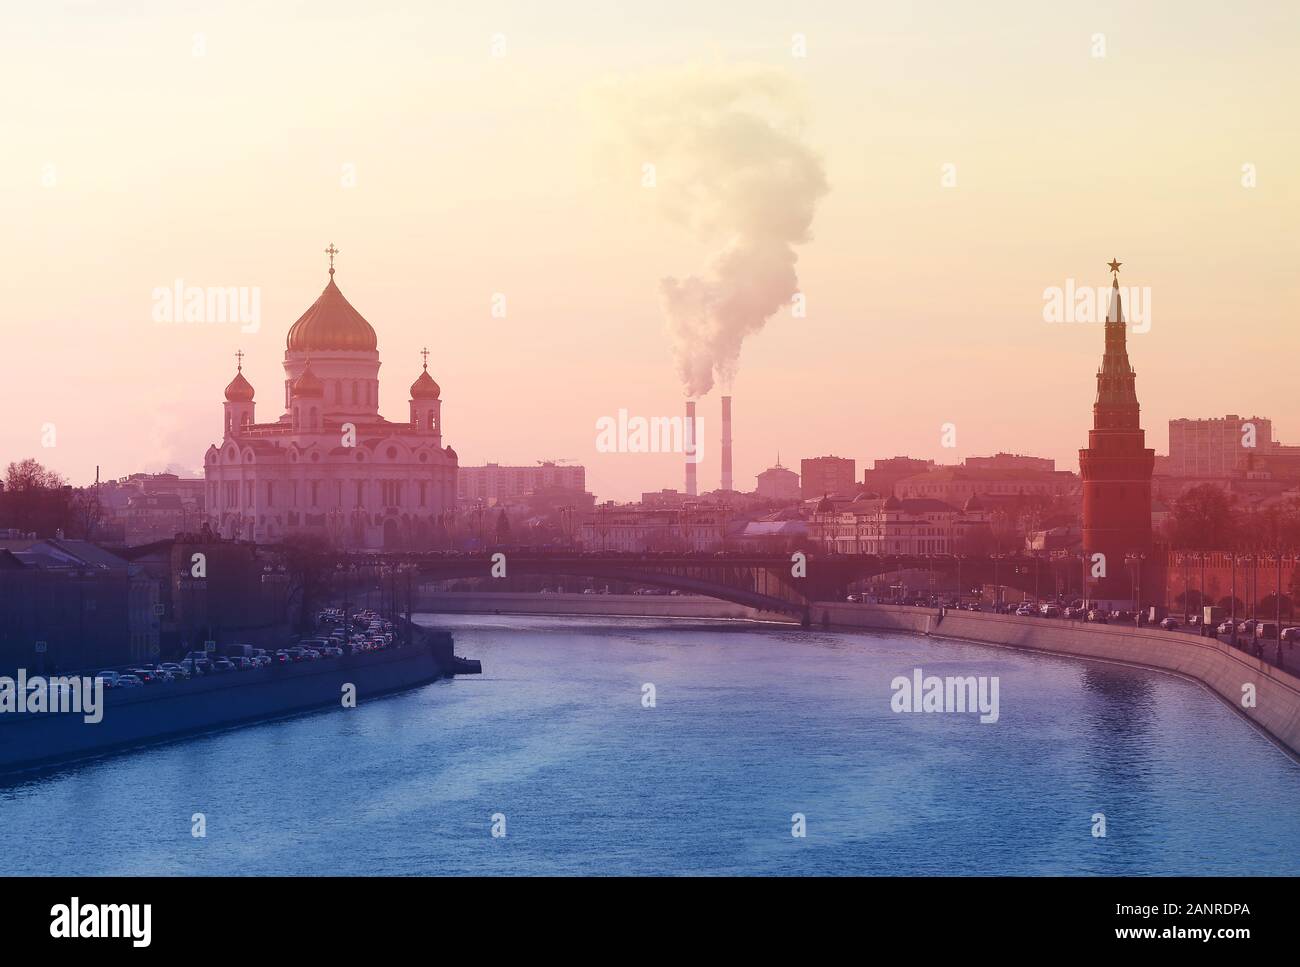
(726,443)
(691,489)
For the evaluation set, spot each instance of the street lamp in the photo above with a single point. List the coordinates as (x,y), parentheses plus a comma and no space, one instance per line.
(1232,637)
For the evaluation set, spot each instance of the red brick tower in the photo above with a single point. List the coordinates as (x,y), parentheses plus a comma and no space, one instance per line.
(1116,468)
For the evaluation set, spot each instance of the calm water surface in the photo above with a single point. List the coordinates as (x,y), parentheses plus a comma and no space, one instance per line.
(752,725)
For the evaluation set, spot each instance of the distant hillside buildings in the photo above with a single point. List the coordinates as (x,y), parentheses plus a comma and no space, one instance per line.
(493,482)
(778,483)
(819,476)
(889,525)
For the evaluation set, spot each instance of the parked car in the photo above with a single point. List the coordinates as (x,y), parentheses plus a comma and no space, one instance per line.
(1169,624)
(1225,627)
(1266,630)
(1097,617)
(200,667)
(1291,634)
(1247,627)
(1051,611)
(223,665)
(109,678)
(175,669)
(128,681)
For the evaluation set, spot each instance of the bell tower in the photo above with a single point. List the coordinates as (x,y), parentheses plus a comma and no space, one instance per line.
(238,408)
(426,404)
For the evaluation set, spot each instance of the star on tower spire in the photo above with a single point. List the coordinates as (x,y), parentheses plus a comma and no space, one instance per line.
(1114,267)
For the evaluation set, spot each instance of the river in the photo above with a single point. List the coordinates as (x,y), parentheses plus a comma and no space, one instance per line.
(750,725)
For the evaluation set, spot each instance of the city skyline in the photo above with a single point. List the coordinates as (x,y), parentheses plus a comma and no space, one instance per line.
(918,291)
(710,467)
(598,440)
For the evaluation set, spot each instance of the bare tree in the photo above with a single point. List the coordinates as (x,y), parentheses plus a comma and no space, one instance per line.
(35,499)
(308,561)
(86,513)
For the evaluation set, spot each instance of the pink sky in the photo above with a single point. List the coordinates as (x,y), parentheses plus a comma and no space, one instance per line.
(131,162)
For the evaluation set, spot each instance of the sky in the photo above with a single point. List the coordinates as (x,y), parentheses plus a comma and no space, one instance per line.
(974,156)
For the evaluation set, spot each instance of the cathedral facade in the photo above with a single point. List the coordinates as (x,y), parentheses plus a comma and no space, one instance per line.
(330,465)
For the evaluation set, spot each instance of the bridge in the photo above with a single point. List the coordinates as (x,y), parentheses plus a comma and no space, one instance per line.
(782,584)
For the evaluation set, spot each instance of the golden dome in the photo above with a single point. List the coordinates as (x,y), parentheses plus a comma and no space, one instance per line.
(424,388)
(331,323)
(240,390)
(308,384)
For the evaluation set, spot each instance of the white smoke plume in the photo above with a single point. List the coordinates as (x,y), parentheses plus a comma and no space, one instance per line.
(730,164)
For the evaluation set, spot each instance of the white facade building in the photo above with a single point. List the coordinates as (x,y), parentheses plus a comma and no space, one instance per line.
(330,465)
(913,527)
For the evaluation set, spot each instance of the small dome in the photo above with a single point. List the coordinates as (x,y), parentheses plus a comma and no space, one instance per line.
(973,502)
(825,506)
(424,388)
(307,384)
(451,454)
(240,390)
(893,503)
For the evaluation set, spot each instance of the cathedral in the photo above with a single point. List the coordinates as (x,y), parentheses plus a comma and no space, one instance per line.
(331,466)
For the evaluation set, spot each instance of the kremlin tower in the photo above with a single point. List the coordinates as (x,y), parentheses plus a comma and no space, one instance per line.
(1116,470)
(331,465)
